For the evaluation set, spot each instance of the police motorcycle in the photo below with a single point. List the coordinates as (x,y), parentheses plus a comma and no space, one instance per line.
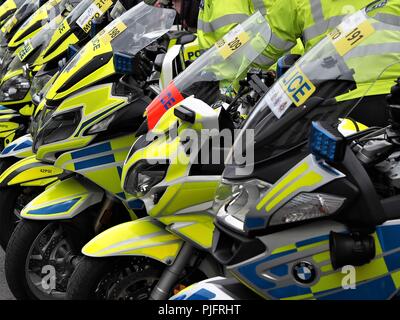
(33,57)
(179,47)
(14,86)
(153,256)
(25,23)
(34,64)
(87,127)
(15,83)
(314,215)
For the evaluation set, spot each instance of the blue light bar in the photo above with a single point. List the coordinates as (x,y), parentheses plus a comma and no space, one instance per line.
(326,142)
(72,51)
(123,63)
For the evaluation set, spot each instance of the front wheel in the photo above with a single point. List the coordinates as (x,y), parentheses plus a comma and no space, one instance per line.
(120,278)
(39,257)
(12,200)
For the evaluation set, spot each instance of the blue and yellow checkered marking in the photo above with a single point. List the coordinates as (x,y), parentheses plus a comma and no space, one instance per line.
(379,279)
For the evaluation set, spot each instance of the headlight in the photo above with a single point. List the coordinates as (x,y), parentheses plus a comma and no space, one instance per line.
(144,176)
(307,206)
(39,88)
(57,128)
(102,125)
(14,89)
(234,201)
(236,206)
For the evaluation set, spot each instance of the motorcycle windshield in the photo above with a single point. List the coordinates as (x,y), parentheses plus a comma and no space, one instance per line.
(40,41)
(83,14)
(228,60)
(351,56)
(128,34)
(45,35)
(55,43)
(131,32)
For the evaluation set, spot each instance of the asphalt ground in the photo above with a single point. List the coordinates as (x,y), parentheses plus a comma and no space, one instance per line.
(5,293)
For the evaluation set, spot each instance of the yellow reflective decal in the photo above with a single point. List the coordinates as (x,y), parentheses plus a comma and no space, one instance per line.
(111,33)
(9,5)
(63,27)
(282,184)
(350,34)
(191,52)
(231,43)
(25,50)
(9,25)
(27,110)
(308,180)
(94,11)
(297,86)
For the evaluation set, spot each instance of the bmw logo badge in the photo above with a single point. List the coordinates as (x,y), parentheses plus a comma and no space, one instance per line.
(304,272)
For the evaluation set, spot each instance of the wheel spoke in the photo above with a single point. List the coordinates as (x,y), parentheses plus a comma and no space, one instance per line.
(36,257)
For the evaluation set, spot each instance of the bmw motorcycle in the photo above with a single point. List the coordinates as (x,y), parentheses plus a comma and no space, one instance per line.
(176,47)
(168,250)
(35,62)
(86,129)
(25,23)
(315,213)
(8,8)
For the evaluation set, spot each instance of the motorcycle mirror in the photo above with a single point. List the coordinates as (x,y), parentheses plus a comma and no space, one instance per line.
(185,114)
(186,38)
(159,62)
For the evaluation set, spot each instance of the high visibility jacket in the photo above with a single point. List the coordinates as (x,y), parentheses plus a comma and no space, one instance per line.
(217,18)
(311,20)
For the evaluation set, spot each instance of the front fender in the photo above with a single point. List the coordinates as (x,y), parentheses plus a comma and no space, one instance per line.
(63,200)
(19,148)
(30,171)
(144,237)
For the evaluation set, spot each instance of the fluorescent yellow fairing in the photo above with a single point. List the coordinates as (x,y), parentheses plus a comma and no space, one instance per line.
(40,16)
(144,237)
(63,200)
(51,52)
(8,128)
(29,170)
(198,228)
(183,196)
(105,175)
(96,104)
(87,54)
(6,8)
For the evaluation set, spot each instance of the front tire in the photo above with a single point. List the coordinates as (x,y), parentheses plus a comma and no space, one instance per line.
(121,278)
(12,201)
(38,260)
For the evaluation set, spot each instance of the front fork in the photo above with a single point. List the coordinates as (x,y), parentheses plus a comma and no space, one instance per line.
(172,273)
(104,216)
